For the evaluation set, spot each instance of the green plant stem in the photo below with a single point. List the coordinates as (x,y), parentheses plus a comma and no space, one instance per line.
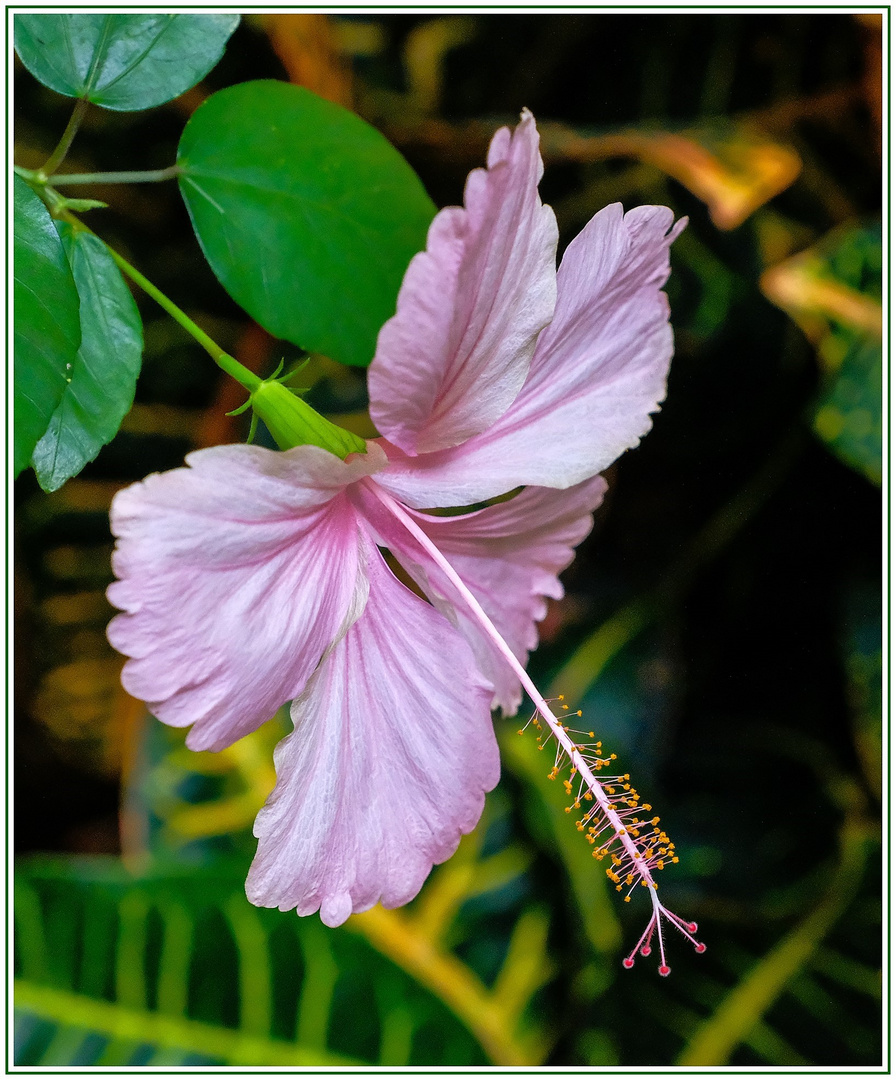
(62,147)
(224,361)
(145,177)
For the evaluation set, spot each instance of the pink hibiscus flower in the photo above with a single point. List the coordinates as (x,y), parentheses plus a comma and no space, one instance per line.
(255,577)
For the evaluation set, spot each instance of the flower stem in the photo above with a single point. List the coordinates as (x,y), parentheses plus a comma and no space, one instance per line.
(227,363)
(145,177)
(224,361)
(62,147)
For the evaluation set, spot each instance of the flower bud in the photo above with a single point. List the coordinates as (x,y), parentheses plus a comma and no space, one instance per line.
(292,422)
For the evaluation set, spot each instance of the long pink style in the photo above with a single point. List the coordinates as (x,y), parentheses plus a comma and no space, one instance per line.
(638,860)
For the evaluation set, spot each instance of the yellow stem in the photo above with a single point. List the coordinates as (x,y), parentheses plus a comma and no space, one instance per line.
(395,936)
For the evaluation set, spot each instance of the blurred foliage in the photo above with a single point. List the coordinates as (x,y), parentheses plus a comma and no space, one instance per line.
(165,968)
(721,628)
(834,293)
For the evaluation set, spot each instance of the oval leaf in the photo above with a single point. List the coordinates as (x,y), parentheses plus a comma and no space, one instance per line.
(47,326)
(100,387)
(308,216)
(122,62)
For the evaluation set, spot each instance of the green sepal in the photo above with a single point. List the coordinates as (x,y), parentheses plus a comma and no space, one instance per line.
(292,422)
(80,205)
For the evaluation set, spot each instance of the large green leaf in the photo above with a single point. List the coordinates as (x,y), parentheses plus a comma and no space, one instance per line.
(47,326)
(308,216)
(100,388)
(122,62)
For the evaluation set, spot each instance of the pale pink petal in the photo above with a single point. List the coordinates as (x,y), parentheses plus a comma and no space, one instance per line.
(597,375)
(236,575)
(508,555)
(392,752)
(455,355)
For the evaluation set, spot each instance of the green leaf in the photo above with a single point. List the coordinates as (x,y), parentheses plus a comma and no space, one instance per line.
(308,216)
(100,387)
(47,326)
(849,414)
(833,290)
(122,62)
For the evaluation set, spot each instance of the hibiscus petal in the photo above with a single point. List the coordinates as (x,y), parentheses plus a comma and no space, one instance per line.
(597,375)
(508,555)
(392,752)
(455,355)
(236,575)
